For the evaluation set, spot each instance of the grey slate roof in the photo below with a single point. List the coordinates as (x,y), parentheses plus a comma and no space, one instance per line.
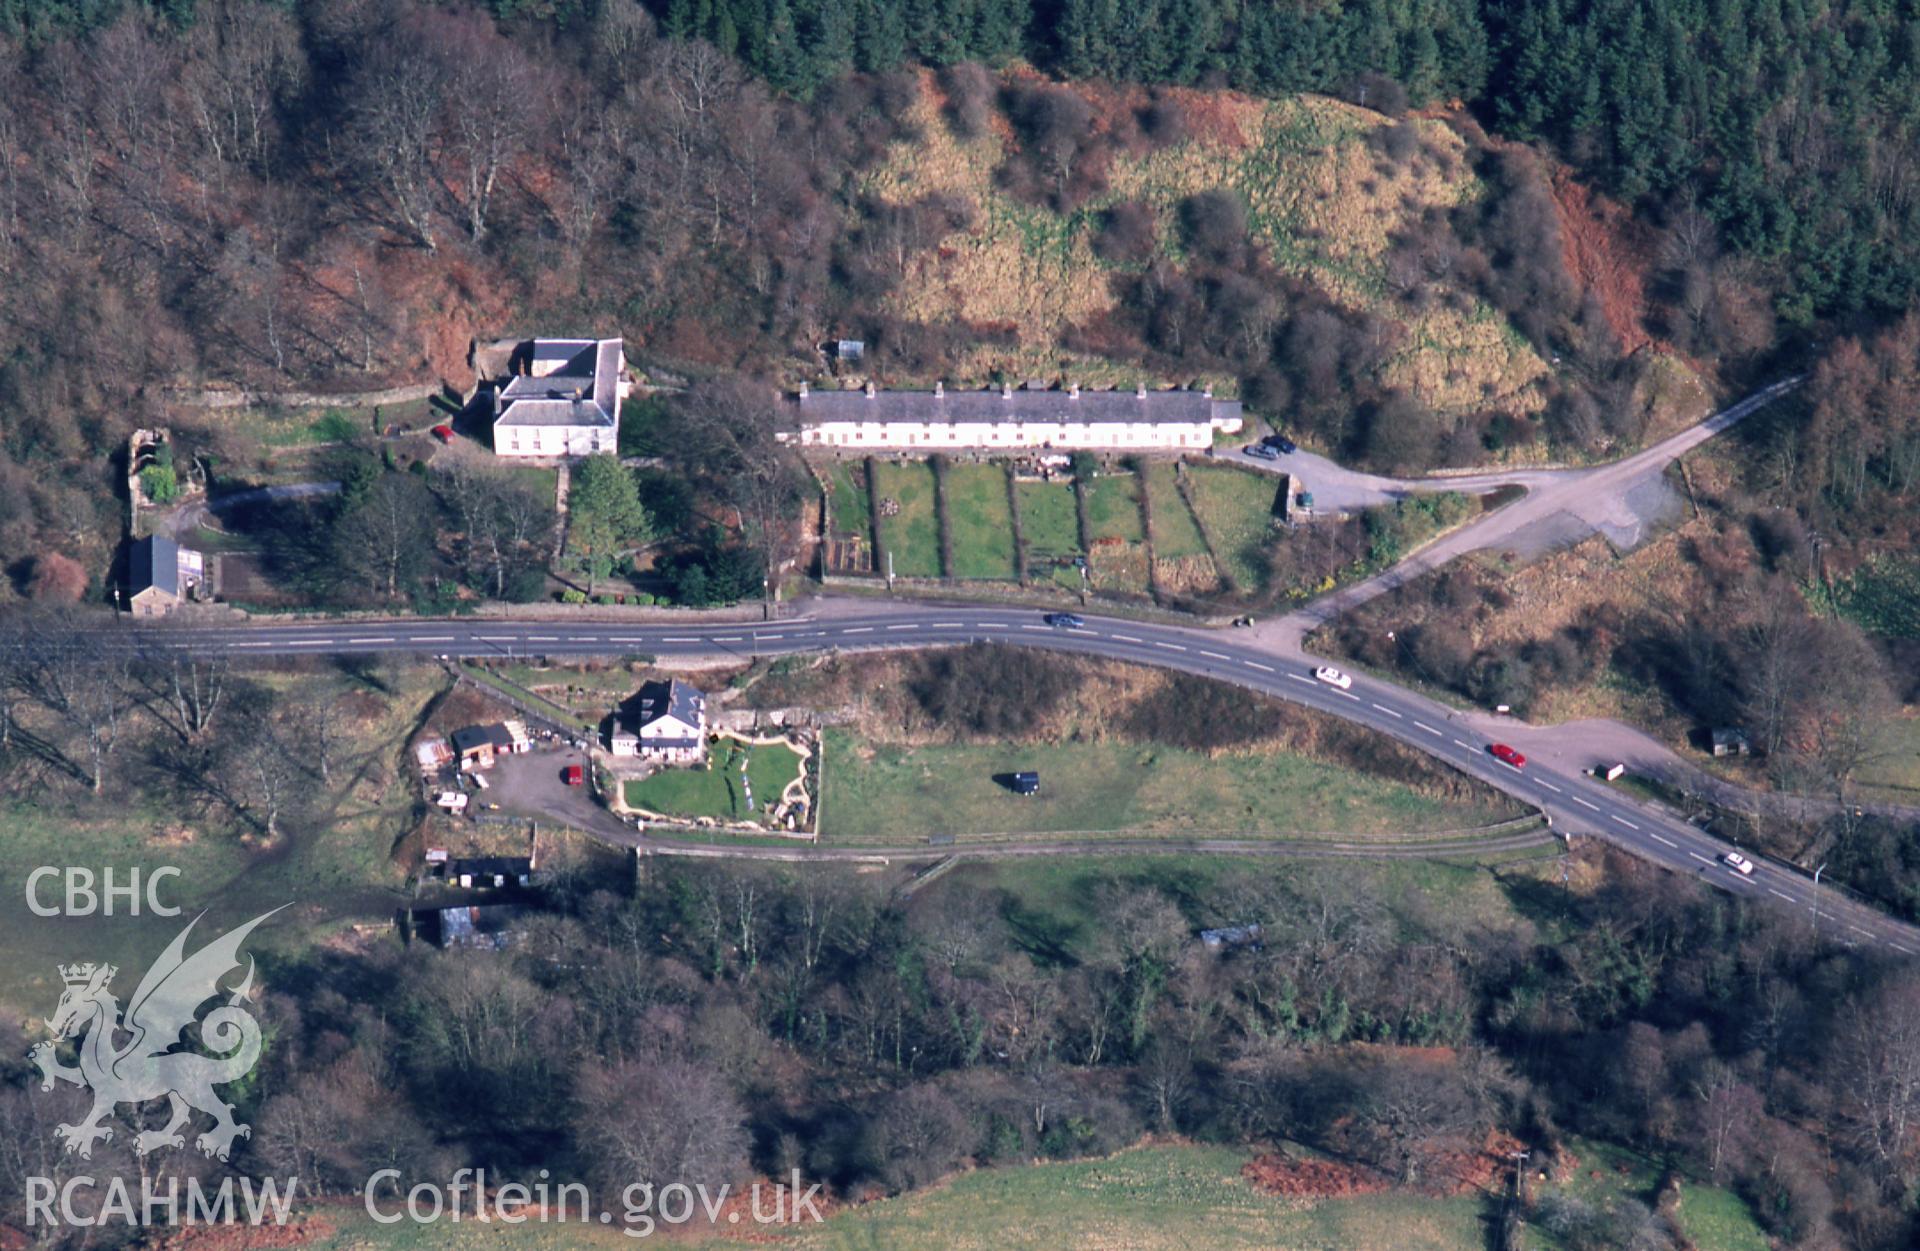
(584,391)
(672,698)
(465,740)
(154,562)
(1088,407)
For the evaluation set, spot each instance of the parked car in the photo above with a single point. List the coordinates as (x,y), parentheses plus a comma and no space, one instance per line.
(1280,443)
(443,433)
(1066,621)
(1260,451)
(1243,622)
(1026,782)
(1507,755)
(574,775)
(1333,677)
(1738,863)
(480,780)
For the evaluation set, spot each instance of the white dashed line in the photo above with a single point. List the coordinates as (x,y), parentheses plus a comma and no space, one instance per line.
(1429,729)
(1297,678)
(1347,695)
(948,625)
(769,636)
(430,638)
(1172,647)
(993,625)
(628,638)
(1781,893)
(1254,664)
(909,626)
(1584,804)
(1622,820)
(256,644)
(1383,708)
(1458,743)
(1215,656)
(861,630)
(1036,627)
(1126,638)
(679,638)
(1550,786)
(727,638)
(503,638)
(1664,842)
(1905,951)
(1856,929)
(388,639)
(1697,856)
(543,638)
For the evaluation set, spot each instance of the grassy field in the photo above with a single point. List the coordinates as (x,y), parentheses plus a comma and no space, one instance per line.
(887,793)
(1894,771)
(716,792)
(981,520)
(1237,510)
(912,534)
(1180,560)
(848,509)
(1113,508)
(1154,1198)
(1049,523)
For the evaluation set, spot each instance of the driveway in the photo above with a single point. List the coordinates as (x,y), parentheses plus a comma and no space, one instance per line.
(530,785)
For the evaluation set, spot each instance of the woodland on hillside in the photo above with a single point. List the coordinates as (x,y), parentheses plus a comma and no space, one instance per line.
(336,195)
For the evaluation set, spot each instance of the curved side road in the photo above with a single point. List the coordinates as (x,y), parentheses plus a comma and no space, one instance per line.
(1575,804)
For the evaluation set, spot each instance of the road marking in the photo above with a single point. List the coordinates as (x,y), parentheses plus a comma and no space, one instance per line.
(1297,678)
(422,638)
(1781,893)
(1254,664)
(1550,786)
(584,638)
(1697,856)
(680,638)
(1458,743)
(949,625)
(1905,951)
(1383,708)
(1429,729)
(543,638)
(770,636)
(1667,842)
(626,638)
(727,638)
(1346,694)
(1856,929)
(1127,638)
(1214,655)
(993,625)
(1038,627)
(1172,647)
(388,639)
(263,644)
(504,638)
(1622,820)
(861,630)
(908,626)
(1584,804)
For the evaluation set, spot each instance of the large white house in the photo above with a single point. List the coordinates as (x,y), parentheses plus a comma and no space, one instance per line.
(1137,420)
(665,721)
(563,399)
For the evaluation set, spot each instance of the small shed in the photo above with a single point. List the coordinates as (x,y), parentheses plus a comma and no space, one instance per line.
(490,871)
(849,349)
(1027,783)
(1229,936)
(487,927)
(1730,740)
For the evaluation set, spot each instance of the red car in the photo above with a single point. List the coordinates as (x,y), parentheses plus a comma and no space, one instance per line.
(443,433)
(1507,755)
(574,775)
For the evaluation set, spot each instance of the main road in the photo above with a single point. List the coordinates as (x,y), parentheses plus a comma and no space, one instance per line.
(1576,804)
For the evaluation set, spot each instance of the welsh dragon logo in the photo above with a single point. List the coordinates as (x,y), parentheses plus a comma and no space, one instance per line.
(145,1066)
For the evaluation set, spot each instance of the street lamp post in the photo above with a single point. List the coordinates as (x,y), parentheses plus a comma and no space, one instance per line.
(1816,899)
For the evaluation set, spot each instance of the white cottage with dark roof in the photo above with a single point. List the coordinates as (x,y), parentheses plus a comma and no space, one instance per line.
(562,399)
(665,721)
(1012,418)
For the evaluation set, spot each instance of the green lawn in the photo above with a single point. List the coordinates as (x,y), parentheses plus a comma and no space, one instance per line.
(1113,508)
(848,509)
(887,793)
(716,792)
(1237,509)
(1175,534)
(981,520)
(1894,771)
(1049,522)
(913,534)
